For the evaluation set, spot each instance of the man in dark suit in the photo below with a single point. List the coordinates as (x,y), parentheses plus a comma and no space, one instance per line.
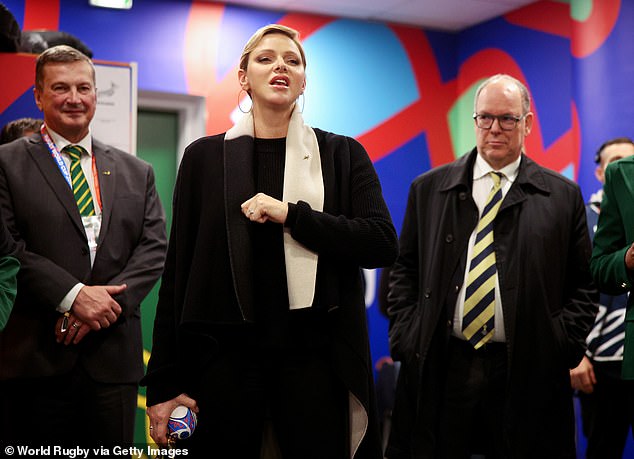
(91,239)
(491,298)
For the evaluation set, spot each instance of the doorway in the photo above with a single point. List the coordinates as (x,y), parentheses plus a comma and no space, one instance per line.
(166,124)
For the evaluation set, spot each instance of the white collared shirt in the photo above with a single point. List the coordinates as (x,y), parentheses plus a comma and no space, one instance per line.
(482,185)
(86,165)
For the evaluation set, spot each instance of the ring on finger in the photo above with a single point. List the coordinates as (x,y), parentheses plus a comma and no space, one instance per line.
(75,324)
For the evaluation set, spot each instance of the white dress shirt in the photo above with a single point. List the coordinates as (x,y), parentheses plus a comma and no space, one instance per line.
(86,165)
(482,185)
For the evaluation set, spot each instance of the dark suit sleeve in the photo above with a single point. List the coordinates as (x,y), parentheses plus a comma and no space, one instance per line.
(145,263)
(403,293)
(580,306)
(48,282)
(610,240)
(7,244)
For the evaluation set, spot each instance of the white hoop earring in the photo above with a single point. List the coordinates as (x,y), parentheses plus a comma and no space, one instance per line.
(240,100)
(301,110)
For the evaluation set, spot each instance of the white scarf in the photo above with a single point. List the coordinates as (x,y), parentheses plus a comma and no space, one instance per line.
(302,180)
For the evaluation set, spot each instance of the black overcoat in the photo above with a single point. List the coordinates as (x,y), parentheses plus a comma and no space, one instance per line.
(542,252)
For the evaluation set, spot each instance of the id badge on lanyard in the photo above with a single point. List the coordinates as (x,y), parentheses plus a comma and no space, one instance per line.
(92,224)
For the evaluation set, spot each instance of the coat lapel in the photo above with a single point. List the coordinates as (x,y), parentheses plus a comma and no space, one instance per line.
(529,175)
(107,176)
(45,162)
(239,186)
(626,170)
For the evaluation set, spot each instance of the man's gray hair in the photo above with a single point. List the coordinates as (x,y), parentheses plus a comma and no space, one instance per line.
(526,98)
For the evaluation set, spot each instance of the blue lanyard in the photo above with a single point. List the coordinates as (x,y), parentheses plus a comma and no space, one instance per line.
(56,156)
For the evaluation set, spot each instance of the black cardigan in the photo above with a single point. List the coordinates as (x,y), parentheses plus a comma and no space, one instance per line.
(205,295)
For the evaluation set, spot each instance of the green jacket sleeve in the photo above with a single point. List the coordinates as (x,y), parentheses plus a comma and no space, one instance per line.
(9,268)
(615,231)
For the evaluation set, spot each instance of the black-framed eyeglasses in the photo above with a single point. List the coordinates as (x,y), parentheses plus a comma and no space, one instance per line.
(507,122)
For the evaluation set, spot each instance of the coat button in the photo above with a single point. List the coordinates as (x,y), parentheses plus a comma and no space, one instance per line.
(427,293)
(462,196)
(623,285)
(449,238)
(449,324)
(457,288)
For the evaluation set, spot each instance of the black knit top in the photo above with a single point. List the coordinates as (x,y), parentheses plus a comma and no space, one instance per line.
(278,327)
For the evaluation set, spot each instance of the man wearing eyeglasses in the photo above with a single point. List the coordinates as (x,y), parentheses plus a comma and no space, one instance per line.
(491,298)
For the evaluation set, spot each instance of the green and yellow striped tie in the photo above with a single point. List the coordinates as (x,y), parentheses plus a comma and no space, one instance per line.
(81,190)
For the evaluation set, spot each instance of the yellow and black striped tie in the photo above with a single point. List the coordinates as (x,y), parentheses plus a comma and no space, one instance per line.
(479,304)
(81,190)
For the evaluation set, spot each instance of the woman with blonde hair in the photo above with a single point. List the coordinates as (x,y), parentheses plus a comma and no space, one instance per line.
(261,324)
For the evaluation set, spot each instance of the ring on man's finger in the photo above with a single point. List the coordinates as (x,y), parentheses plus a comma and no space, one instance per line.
(75,324)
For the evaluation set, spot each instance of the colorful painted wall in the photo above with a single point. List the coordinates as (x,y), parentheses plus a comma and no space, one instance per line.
(404,92)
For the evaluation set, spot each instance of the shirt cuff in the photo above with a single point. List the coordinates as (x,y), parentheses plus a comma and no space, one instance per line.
(69,299)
